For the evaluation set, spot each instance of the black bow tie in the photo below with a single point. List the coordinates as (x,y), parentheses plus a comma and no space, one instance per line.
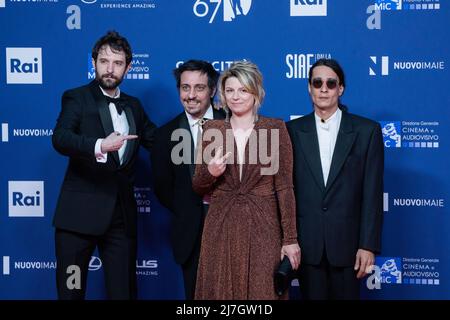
(118,102)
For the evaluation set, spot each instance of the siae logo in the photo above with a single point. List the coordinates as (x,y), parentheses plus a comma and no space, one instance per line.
(231,9)
(384,65)
(26,198)
(308,8)
(24,65)
(299,63)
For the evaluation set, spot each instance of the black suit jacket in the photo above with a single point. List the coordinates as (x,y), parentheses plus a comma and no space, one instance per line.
(347,213)
(90,189)
(173,186)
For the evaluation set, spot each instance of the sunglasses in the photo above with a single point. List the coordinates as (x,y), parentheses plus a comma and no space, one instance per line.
(318,83)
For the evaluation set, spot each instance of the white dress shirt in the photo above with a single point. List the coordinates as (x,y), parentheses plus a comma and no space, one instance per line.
(327,131)
(120,124)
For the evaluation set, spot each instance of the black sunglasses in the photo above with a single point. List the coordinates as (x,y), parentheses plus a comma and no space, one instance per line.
(318,83)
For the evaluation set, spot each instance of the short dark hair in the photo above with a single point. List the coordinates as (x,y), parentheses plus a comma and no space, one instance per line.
(198,65)
(116,42)
(332,64)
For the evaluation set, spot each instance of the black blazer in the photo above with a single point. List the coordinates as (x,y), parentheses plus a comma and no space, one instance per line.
(347,213)
(90,189)
(173,187)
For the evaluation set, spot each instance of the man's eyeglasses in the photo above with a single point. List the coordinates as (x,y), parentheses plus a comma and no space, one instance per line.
(318,83)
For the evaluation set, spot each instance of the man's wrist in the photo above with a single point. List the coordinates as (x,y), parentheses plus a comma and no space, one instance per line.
(100,156)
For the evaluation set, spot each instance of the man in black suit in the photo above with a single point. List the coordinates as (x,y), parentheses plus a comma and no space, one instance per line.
(338,180)
(100,129)
(173,164)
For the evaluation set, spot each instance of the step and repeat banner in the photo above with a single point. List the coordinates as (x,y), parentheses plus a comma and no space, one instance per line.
(396,57)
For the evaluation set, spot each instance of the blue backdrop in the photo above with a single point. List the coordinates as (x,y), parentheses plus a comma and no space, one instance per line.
(395,54)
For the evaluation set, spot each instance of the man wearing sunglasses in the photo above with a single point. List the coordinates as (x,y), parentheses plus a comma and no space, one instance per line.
(338,180)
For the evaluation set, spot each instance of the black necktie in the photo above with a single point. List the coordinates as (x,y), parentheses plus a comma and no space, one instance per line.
(118,102)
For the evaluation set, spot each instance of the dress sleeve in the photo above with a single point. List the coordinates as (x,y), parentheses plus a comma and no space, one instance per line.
(284,187)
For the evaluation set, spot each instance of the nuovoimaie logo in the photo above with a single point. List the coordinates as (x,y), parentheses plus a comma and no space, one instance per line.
(413,201)
(6,270)
(24,65)
(384,65)
(380,65)
(5,132)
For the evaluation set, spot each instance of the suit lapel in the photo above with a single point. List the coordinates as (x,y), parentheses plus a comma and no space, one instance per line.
(344,142)
(105,115)
(184,124)
(131,144)
(310,146)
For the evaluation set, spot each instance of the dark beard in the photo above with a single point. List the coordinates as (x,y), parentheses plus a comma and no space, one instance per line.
(109,84)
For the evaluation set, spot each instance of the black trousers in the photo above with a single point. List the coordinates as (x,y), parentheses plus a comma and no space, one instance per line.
(327,282)
(191,265)
(117,252)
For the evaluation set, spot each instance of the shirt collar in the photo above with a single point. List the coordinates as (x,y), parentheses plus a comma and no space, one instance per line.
(208,115)
(335,118)
(117,93)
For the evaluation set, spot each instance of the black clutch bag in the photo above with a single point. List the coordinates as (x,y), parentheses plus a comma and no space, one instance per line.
(283,276)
